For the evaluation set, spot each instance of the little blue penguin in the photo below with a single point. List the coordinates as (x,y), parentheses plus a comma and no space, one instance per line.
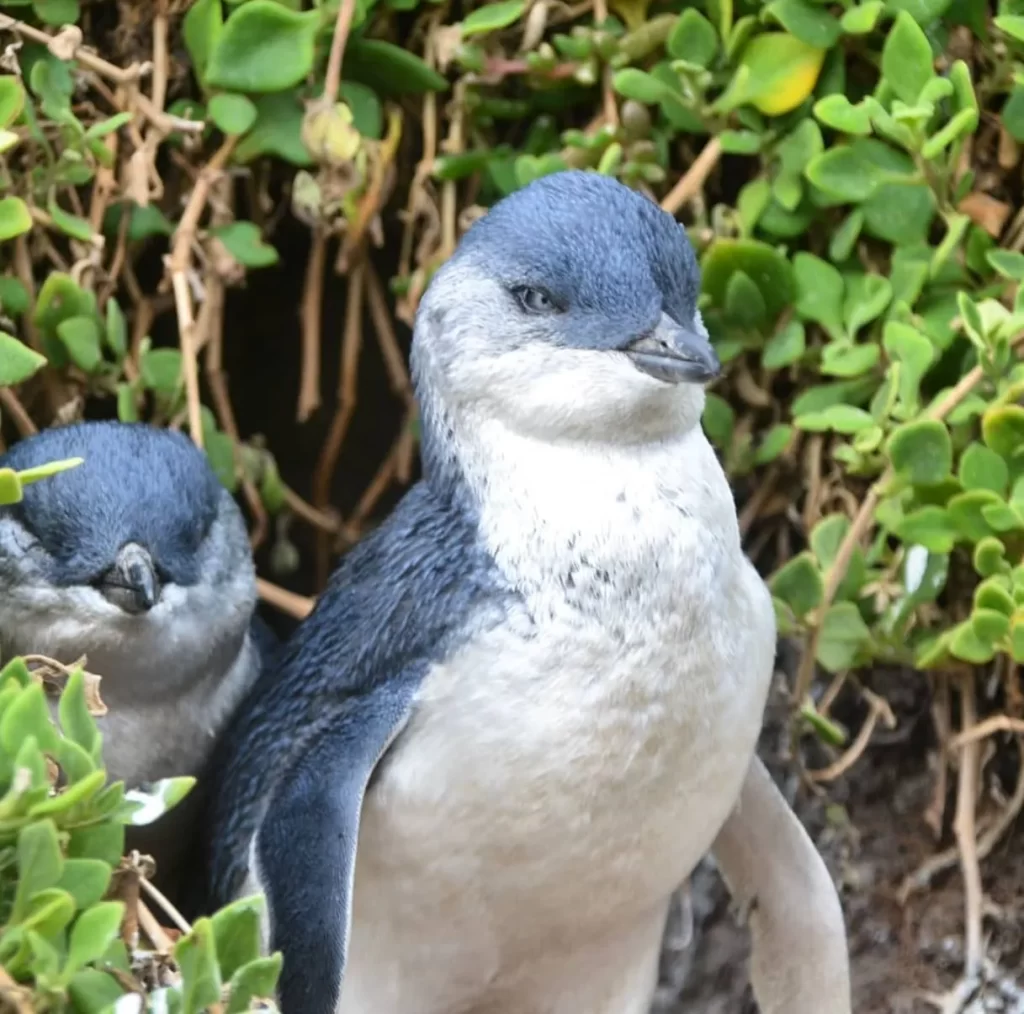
(139,560)
(527,704)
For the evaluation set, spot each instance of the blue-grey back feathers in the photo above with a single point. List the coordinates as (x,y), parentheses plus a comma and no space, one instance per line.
(399,600)
(138,484)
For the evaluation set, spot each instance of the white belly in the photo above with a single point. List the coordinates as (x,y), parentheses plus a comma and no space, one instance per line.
(545,801)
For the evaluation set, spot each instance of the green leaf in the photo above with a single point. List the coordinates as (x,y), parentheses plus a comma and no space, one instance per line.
(12,99)
(104,842)
(693,38)
(95,992)
(931,527)
(264,47)
(774,442)
(1002,428)
(10,487)
(640,86)
(965,509)
(718,420)
(785,347)
(844,173)
(145,805)
(982,468)
(71,225)
(841,418)
(233,114)
(799,584)
(776,73)
(161,370)
(116,331)
(1012,25)
(388,69)
(836,111)
(39,864)
(744,303)
(900,213)
(256,979)
(196,955)
(966,645)
(17,361)
(94,931)
(277,131)
(840,359)
(862,18)
(245,244)
(14,218)
(844,636)
(202,29)
(1012,114)
(30,475)
(492,17)
(236,930)
(86,880)
(81,338)
(57,12)
(1009,263)
(921,452)
(991,594)
(907,58)
(989,558)
(866,297)
(14,298)
(764,265)
(819,288)
(809,22)
(73,711)
(367,116)
(914,353)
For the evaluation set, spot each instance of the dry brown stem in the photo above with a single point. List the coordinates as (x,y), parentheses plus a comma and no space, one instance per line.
(178,263)
(312,302)
(963,826)
(288,602)
(694,179)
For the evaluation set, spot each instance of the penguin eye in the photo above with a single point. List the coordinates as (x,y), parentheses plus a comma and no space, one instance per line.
(533,300)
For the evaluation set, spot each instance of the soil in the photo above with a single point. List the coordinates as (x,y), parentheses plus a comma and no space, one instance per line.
(904,959)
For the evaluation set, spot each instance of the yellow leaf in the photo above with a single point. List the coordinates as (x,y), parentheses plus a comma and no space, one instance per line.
(775,74)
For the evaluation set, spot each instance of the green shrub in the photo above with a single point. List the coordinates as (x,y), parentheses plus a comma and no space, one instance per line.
(64,943)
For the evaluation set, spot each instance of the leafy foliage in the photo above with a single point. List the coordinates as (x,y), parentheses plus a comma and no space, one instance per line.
(64,936)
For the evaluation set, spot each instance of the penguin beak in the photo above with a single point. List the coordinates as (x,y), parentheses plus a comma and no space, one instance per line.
(674,354)
(132,583)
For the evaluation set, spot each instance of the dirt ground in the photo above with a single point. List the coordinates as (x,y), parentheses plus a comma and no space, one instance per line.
(903,957)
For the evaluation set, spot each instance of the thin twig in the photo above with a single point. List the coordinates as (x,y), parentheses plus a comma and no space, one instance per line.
(14,408)
(288,602)
(158,896)
(312,300)
(879,710)
(151,927)
(326,519)
(348,388)
(83,56)
(963,826)
(332,78)
(942,861)
(178,264)
(693,181)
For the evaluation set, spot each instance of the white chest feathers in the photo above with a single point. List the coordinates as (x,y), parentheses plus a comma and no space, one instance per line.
(564,773)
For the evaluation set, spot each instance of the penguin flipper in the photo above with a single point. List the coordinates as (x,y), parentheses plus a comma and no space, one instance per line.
(305,848)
